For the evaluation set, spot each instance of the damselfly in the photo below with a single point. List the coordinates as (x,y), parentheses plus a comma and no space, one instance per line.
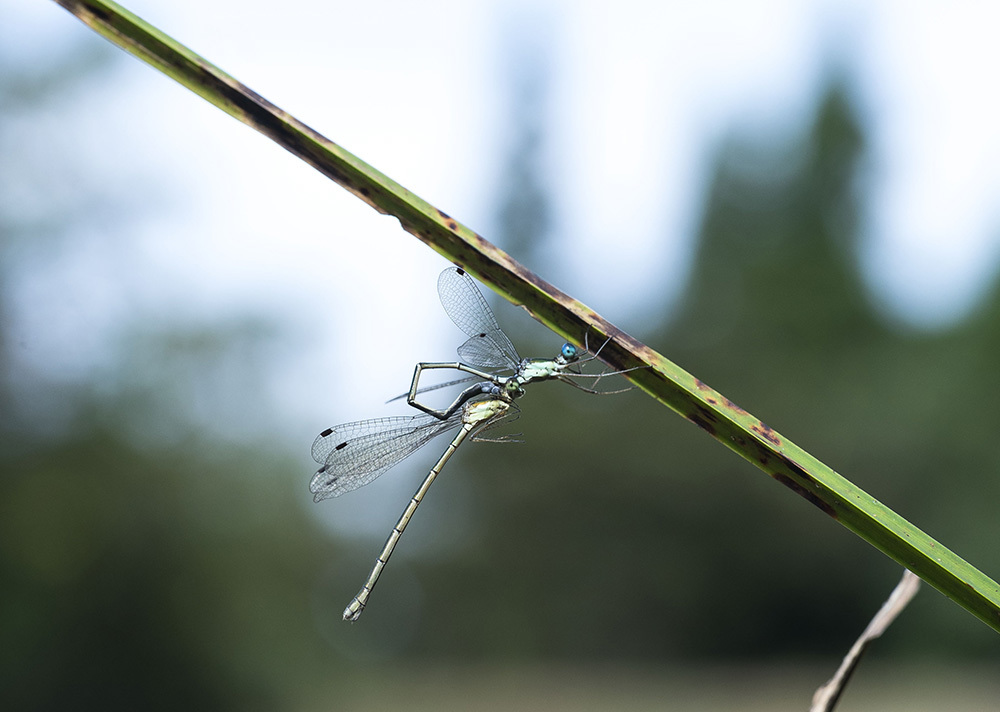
(355,454)
(489,354)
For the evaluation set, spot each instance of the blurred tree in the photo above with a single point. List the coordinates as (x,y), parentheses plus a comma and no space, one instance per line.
(145,561)
(525,212)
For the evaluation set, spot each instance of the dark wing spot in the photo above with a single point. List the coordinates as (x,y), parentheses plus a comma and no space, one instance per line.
(341,446)
(461,272)
(327,483)
(326,432)
(482,335)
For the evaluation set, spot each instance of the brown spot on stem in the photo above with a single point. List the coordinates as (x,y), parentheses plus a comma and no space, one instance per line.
(798,488)
(765,431)
(806,494)
(735,408)
(704,419)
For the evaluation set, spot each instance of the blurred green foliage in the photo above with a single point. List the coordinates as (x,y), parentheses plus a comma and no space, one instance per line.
(185,573)
(145,563)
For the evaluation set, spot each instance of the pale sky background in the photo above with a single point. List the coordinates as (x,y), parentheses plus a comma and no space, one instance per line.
(219,221)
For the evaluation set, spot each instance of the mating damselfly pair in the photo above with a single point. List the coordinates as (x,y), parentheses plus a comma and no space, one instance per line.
(354,454)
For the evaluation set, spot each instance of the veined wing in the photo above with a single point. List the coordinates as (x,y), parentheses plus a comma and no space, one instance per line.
(487,346)
(353,455)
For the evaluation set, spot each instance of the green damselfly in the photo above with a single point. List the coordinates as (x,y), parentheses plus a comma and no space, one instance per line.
(353,455)
(489,354)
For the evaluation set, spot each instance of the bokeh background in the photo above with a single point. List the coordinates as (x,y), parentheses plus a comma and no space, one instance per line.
(797,202)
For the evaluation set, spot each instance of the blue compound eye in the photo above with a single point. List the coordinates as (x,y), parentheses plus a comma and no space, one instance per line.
(569,352)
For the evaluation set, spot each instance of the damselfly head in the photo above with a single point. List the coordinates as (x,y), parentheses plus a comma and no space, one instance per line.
(512,388)
(568,353)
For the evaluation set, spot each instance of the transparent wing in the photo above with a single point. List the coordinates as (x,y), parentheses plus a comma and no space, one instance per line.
(482,350)
(354,454)
(487,346)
